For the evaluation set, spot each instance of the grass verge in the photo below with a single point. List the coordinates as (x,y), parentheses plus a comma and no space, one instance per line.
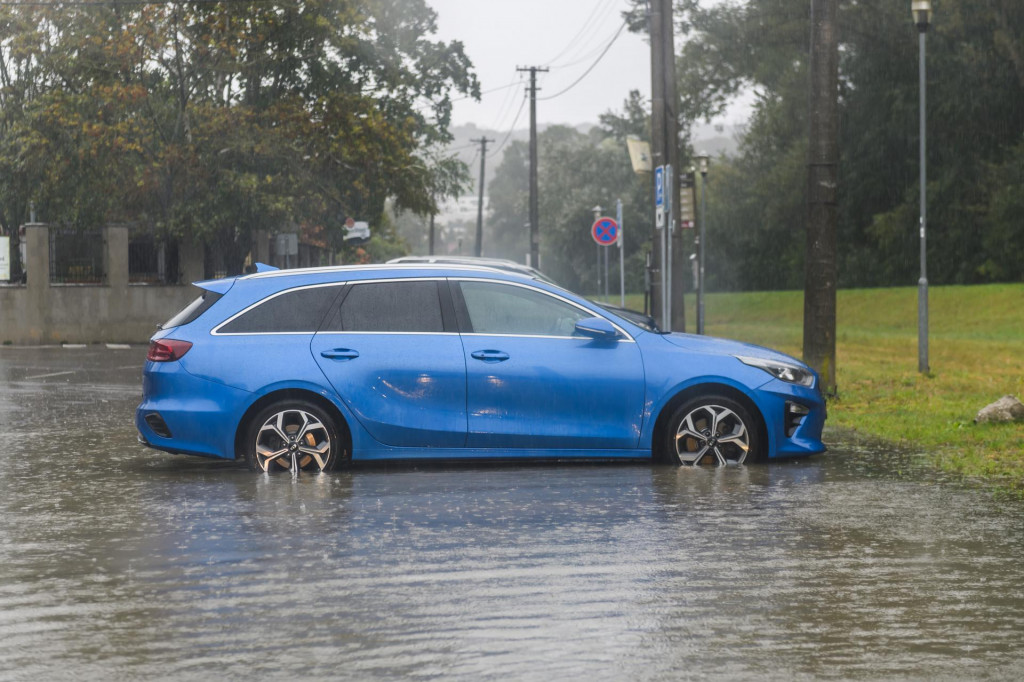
(976,356)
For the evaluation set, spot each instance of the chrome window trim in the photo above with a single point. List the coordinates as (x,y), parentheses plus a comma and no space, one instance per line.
(628,337)
(363,333)
(216,330)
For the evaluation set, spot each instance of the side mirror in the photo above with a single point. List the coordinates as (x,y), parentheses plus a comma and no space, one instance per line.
(597,328)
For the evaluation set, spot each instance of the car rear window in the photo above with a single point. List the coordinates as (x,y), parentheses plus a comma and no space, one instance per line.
(390,307)
(292,311)
(193,310)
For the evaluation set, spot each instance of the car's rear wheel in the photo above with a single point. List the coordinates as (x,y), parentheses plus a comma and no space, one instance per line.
(712,429)
(294,435)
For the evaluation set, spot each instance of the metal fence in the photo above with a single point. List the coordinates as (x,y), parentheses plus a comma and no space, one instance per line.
(76,256)
(152,260)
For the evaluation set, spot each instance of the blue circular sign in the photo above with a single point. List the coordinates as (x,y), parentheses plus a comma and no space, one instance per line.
(605,231)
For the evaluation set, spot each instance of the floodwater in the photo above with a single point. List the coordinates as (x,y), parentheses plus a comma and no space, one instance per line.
(120,562)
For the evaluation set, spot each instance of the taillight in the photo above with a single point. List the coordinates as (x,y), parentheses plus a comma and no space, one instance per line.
(166,350)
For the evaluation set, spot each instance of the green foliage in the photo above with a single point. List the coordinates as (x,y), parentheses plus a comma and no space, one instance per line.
(214,120)
(975,125)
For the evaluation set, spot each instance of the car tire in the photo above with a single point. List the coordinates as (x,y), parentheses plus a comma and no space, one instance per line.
(293,433)
(712,429)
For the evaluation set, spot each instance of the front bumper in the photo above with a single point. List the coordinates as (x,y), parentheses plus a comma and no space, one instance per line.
(787,436)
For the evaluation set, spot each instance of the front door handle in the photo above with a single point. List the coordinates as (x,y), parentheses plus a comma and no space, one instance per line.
(340,354)
(490,355)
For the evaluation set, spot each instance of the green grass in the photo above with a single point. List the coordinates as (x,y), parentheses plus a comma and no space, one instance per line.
(976,354)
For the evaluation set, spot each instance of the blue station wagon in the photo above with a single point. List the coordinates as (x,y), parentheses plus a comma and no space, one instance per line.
(310,369)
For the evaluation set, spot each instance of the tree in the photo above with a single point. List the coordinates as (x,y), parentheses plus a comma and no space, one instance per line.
(216,120)
(975,124)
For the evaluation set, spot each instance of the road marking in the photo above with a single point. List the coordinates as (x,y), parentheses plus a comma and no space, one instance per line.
(74,345)
(118,346)
(52,374)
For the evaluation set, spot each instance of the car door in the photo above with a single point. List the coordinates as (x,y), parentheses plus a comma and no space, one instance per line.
(531,382)
(392,352)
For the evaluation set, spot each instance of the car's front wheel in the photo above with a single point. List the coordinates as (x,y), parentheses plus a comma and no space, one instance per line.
(295,435)
(712,429)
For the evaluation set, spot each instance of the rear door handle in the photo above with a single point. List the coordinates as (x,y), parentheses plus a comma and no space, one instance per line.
(490,355)
(340,354)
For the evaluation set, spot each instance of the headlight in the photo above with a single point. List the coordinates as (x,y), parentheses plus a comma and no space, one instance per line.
(781,370)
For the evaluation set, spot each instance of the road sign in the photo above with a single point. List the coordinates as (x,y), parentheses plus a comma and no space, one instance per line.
(659,196)
(639,154)
(605,231)
(686,201)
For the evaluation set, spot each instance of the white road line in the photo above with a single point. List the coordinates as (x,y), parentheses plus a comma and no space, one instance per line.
(52,374)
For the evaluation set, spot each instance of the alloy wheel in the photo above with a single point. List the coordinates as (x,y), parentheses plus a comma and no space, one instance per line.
(293,440)
(712,433)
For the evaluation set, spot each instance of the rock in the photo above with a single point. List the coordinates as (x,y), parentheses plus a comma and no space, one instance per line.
(1006,409)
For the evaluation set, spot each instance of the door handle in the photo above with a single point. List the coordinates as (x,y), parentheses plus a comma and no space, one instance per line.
(340,354)
(490,355)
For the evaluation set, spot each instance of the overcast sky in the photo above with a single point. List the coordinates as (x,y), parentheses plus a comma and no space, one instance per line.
(565,35)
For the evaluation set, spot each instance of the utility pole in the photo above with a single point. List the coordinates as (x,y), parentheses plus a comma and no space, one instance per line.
(534,209)
(480,203)
(822,181)
(665,151)
(430,250)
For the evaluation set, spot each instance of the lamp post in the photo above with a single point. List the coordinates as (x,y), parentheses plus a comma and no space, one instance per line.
(703,162)
(922,11)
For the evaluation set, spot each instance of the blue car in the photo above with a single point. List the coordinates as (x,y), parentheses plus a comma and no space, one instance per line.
(310,369)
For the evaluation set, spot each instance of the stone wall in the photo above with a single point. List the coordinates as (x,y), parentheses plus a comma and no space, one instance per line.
(118,312)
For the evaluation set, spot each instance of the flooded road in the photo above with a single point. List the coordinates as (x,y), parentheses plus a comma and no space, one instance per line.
(126,563)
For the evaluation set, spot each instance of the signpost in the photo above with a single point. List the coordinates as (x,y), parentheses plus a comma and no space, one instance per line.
(604,231)
(663,198)
(622,262)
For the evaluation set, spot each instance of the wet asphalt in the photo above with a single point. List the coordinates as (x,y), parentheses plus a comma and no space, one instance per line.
(121,562)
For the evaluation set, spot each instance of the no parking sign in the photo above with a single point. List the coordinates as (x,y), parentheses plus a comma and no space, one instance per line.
(605,231)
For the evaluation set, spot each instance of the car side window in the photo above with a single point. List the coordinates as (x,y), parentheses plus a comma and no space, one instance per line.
(389,307)
(297,310)
(495,308)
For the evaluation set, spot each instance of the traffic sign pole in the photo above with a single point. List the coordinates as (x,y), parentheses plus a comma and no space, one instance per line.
(669,220)
(622,249)
(659,214)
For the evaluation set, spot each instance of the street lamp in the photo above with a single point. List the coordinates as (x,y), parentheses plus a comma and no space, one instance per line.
(922,12)
(703,162)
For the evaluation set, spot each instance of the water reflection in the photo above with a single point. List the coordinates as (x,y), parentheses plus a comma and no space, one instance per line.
(120,560)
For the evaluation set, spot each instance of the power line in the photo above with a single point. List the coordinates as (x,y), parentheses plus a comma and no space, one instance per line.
(600,4)
(587,56)
(511,128)
(504,110)
(591,67)
(459,99)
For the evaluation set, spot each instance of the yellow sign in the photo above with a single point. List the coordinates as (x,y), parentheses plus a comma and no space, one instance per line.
(639,154)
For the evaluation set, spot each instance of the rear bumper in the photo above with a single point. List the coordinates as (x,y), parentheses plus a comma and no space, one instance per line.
(200,415)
